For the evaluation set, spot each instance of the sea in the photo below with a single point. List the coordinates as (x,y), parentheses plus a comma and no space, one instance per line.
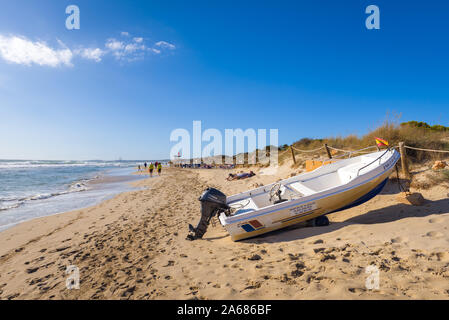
(30,189)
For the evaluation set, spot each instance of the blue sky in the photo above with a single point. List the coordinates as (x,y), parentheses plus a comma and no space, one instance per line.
(307,68)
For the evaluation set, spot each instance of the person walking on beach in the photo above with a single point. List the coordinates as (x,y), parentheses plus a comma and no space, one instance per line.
(151,167)
(159,168)
(145,165)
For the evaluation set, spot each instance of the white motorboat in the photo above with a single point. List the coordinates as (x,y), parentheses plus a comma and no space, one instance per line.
(334,187)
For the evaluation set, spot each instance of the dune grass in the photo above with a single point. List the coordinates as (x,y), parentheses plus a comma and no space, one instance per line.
(414,134)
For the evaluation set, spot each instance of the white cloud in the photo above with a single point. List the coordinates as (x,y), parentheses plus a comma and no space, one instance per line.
(20,50)
(160,46)
(124,33)
(91,54)
(164,44)
(130,51)
(114,45)
(157,51)
(129,48)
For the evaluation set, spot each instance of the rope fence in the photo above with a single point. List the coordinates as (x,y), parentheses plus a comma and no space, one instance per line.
(328,149)
(307,151)
(330,156)
(427,150)
(283,152)
(401,147)
(341,150)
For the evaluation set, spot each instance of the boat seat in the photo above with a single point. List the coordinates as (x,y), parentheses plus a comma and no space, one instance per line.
(244,206)
(299,187)
(349,172)
(290,193)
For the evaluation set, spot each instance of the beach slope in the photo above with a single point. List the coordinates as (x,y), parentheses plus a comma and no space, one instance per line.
(133,247)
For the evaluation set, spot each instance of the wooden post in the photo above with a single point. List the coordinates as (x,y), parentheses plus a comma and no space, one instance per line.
(328,151)
(293,154)
(404,163)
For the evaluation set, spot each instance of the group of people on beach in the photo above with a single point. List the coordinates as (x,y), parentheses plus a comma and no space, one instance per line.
(204,166)
(157,165)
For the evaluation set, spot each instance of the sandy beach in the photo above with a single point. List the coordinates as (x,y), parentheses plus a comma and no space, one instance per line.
(133,247)
(96,95)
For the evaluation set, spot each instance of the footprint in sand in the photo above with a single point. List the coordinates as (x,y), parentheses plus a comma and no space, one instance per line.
(294,257)
(435,220)
(170,263)
(255,257)
(398,240)
(356,290)
(434,234)
(442,256)
(32,270)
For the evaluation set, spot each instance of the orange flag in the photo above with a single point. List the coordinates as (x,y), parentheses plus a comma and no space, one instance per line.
(381,142)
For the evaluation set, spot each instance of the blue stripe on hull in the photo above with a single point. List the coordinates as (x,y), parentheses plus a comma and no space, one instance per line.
(364,198)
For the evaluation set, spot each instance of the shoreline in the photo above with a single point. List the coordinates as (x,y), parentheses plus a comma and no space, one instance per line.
(98,180)
(133,247)
(81,193)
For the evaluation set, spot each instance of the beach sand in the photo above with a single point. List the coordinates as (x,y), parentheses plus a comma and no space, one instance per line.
(133,247)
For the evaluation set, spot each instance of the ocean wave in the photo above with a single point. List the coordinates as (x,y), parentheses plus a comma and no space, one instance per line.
(14,204)
(62,164)
(7,203)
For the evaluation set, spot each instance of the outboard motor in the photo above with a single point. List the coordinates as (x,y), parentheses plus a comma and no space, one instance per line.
(213,202)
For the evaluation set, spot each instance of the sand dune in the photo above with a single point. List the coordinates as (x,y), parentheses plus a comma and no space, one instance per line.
(134,247)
